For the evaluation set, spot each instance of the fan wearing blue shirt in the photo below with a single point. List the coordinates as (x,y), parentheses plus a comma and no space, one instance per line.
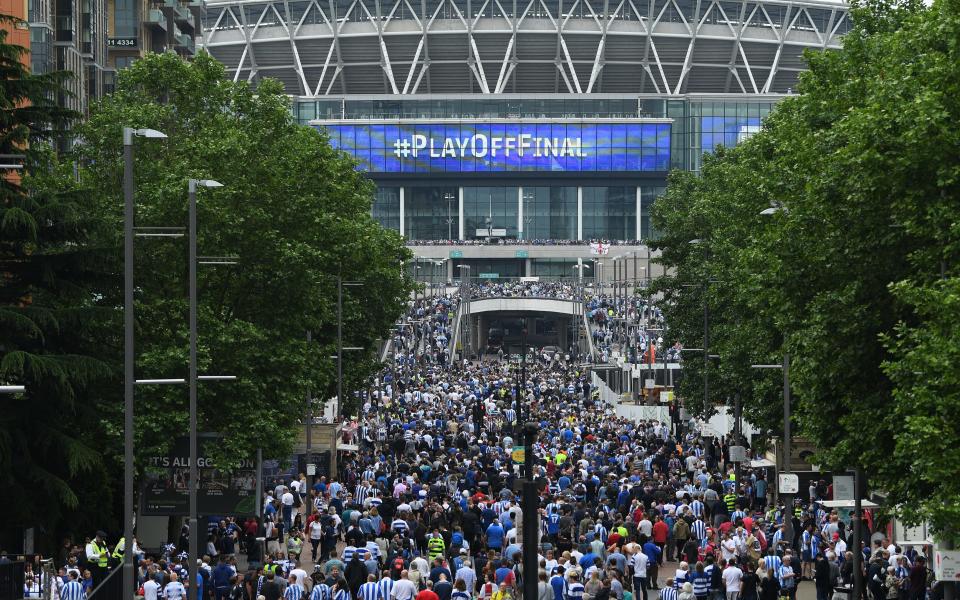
(495,535)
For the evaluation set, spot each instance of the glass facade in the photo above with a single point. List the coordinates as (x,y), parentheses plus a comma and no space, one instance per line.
(518,202)
(610,213)
(496,207)
(648,194)
(491,268)
(549,213)
(427,211)
(554,268)
(386,207)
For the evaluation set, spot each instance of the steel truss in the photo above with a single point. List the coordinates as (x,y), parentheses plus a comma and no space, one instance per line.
(329,47)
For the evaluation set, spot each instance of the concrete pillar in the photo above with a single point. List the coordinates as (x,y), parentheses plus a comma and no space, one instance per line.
(638,213)
(579,211)
(460,214)
(403,230)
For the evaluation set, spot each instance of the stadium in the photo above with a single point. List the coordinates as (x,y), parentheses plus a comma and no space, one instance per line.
(507,135)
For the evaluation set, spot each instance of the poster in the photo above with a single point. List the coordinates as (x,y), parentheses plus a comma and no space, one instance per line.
(164,490)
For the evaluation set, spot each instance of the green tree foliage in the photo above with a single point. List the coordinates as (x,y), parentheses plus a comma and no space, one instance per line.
(294,211)
(51,442)
(856,278)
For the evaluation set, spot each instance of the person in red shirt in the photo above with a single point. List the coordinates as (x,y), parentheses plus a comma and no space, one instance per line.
(661,531)
(428,594)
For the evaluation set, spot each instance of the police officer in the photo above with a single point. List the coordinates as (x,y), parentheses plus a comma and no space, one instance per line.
(98,558)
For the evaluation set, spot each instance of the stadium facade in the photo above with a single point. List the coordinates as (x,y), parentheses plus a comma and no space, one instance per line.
(512,122)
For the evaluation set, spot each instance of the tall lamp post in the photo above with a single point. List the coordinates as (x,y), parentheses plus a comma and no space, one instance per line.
(192,186)
(786,418)
(449,198)
(340,285)
(128,350)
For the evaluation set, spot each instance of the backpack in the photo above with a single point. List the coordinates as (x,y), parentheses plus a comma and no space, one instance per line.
(398,564)
(297,502)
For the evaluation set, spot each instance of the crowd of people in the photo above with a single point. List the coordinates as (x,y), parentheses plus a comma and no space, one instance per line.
(426,509)
(556,290)
(514,241)
(632,326)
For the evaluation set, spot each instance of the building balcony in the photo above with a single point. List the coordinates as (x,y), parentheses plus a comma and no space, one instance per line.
(156,19)
(198,8)
(184,43)
(183,16)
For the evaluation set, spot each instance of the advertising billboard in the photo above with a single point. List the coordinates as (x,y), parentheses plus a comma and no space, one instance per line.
(467,147)
(165,492)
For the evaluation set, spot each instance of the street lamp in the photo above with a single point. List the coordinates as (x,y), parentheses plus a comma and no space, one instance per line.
(449,198)
(129,133)
(192,186)
(774,208)
(786,406)
(786,437)
(340,285)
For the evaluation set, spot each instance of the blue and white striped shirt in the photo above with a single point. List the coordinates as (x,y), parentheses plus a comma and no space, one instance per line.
(601,532)
(342,595)
(72,590)
(368,591)
(772,562)
(698,530)
(321,591)
(668,593)
(697,507)
(294,591)
(385,587)
(574,591)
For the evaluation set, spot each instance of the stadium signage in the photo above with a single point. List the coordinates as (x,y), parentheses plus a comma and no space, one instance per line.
(470,146)
(481,146)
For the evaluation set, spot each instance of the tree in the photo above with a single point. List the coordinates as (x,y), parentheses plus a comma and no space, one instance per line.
(294,211)
(51,443)
(854,275)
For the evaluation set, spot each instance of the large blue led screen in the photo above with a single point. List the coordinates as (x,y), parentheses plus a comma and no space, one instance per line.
(504,147)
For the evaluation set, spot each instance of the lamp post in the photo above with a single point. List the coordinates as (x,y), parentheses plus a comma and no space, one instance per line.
(449,198)
(192,186)
(786,417)
(128,350)
(340,285)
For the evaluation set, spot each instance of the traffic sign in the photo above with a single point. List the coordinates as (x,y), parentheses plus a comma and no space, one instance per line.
(738,454)
(843,487)
(788,483)
(946,565)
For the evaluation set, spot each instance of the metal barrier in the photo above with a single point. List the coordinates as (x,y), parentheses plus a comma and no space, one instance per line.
(11,581)
(110,588)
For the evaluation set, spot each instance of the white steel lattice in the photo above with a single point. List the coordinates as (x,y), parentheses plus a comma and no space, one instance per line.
(323,47)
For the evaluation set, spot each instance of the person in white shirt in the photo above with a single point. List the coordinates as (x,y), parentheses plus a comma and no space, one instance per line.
(174,590)
(403,588)
(732,576)
(151,589)
(299,573)
(728,547)
(639,563)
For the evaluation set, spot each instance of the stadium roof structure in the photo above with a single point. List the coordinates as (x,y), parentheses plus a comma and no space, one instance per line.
(399,47)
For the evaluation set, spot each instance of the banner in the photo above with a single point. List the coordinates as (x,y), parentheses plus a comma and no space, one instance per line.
(470,146)
(164,490)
